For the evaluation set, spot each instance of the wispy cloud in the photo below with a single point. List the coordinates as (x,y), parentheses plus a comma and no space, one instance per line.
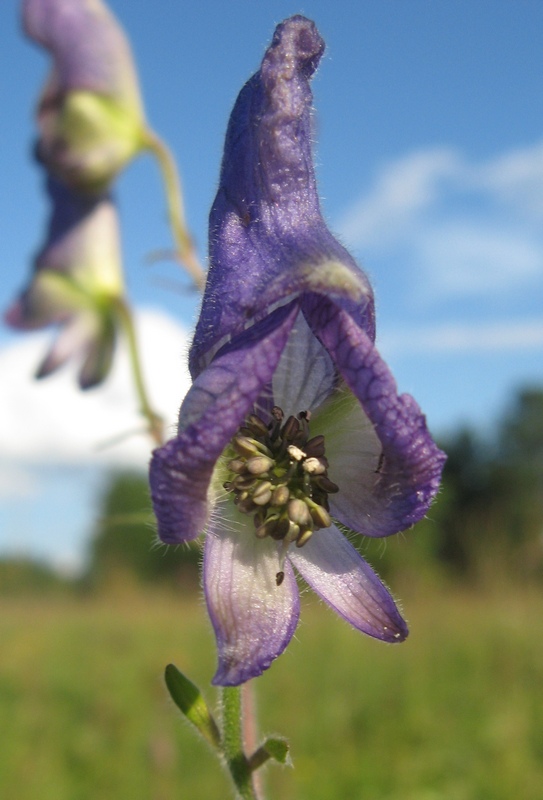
(462,339)
(515,178)
(403,190)
(463,229)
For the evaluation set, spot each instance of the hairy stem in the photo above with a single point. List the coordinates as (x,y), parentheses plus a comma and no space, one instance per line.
(176,213)
(154,420)
(233,745)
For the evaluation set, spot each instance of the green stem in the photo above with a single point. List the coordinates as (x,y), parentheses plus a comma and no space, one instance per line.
(176,211)
(233,747)
(155,422)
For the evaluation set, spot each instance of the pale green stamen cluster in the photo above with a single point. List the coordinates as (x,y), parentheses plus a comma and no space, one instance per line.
(279,475)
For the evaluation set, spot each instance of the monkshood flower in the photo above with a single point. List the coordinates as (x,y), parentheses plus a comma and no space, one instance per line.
(90,113)
(77,283)
(293,430)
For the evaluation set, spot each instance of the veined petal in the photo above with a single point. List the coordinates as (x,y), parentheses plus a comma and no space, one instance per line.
(253,618)
(408,471)
(306,374)
(341,577)
(212,412)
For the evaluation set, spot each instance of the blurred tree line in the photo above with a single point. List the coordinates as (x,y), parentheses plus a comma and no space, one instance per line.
(485,527)
(124,545)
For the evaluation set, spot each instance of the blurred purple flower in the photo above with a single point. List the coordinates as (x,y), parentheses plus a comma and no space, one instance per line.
(77,283)
(90,113)
(284,344)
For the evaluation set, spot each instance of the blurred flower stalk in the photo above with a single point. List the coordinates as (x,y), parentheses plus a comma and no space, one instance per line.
(91,124)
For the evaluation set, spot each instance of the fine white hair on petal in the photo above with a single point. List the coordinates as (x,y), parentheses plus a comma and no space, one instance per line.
(341,577)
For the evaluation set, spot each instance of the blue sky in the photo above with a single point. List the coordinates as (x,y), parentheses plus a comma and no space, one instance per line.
(429,151)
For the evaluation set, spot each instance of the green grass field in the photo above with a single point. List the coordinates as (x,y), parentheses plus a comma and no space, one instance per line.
(454,713)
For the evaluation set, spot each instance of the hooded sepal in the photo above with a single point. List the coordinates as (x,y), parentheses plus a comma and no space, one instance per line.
(90,113)
(267,238)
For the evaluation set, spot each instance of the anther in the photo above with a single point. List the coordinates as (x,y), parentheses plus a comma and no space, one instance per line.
(314,466)
(280,496)
(290,429)
(298,512)
(319,515)
(246,505)
(315,446)
(257,465)
(262,494)
(237,465)
(304,537)
(244,446)
(256,425)
(295,452)
(304,417)
(324,483)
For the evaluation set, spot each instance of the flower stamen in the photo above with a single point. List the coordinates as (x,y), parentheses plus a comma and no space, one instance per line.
(279,475)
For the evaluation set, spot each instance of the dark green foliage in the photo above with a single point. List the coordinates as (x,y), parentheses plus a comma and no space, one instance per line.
(492,518)
(487,522)
(125,546)
(21,576)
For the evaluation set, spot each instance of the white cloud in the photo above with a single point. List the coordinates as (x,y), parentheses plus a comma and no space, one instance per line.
(402,190)
(461,338)
(516,178)
(53,421)
(462,259)
(463,229)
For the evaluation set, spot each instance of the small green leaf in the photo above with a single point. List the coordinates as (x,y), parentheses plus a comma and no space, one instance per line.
(190,701)
(278,749)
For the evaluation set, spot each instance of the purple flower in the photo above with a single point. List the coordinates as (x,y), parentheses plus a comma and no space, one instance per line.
(293,419)
(90,113)
(77,283)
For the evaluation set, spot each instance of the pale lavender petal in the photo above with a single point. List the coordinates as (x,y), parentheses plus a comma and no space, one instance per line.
(408,472)
(341,577)
(76,282)
(253,618)
(306,374)
(214,408)
(73,339)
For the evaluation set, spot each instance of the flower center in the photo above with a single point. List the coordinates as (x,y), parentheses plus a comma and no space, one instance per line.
(279,476)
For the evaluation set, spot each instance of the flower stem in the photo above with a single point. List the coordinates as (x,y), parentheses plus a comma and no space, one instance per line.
(154,420)
(233,746)
(176,213)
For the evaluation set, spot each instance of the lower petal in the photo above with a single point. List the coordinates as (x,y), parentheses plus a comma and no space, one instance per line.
(253,618)
(341,577)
